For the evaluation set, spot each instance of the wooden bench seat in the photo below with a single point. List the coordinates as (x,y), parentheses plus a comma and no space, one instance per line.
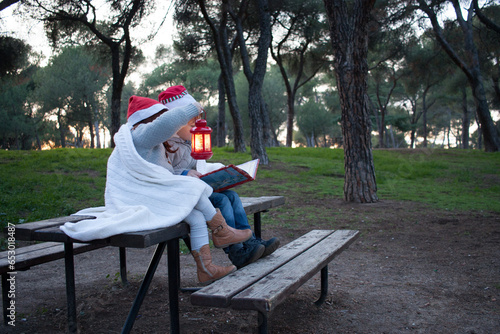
(266,283)
(55,240)
(32,255)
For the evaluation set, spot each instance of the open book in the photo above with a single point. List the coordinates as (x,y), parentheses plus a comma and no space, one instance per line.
(230,176)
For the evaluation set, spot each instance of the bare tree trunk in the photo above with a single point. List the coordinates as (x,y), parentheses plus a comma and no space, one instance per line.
(62,130)
(255,88)
(96,127)
(349,34)
(221,120)
(224,57)
(290,117)
(91,128)
(267,136)
(393,140)
(256,80)
(465,120)
(116,102)
(479,134)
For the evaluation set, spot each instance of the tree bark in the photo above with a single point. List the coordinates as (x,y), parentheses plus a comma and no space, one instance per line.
(255,109)
(225,61)
(62,129)
(485,20)
(465,120)
(221,120)
(349,34)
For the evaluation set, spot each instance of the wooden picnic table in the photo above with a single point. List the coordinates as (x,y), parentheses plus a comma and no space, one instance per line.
(168,237)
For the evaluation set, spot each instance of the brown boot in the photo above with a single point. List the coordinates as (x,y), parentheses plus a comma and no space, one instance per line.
(224,235)
(207,271)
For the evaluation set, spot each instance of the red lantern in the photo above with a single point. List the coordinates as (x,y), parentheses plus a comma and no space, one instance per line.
(201,144)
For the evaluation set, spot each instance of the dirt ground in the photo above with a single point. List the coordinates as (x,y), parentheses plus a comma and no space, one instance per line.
(413,269)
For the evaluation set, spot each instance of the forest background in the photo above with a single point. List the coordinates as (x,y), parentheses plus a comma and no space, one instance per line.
(428,256)
(418,97)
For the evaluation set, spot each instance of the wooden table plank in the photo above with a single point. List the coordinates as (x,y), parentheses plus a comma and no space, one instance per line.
(149,238)
(48,230)
(258,204)
(54,251)
(219,293)
(265,294)
(31,248)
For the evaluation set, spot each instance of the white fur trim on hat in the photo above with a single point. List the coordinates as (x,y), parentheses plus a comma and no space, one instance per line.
(142,114)
(180,102)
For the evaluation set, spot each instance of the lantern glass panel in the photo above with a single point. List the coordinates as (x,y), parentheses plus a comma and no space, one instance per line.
(208,144)
(198,142)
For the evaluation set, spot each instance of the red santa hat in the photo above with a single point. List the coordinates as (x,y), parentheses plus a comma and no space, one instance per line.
(140,108)
(175,96)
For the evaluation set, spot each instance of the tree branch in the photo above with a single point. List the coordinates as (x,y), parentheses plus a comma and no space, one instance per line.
(486,21)
(438,31)
(6,3)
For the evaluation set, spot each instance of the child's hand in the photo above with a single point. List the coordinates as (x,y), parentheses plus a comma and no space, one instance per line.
(194,173)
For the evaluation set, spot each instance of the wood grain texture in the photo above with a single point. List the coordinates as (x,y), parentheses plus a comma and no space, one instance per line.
(273,289)
(220,293)
(48,230)
(28,256)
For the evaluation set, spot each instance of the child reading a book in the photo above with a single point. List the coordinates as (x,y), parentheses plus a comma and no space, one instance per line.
(140,184)
(228,201)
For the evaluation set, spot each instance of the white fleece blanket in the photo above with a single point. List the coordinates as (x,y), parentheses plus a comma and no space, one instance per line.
(139,196)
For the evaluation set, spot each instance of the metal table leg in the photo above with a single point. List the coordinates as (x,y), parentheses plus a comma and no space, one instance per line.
(324,286)
(134,310)
(257,225)
(262,318)
(70,286)
(173,283)
(123,265)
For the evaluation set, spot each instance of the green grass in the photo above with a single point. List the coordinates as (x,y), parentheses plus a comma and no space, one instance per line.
(38,185)
(42,184)
(447,179)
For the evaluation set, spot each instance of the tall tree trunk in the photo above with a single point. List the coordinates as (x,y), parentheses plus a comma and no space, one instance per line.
(424,125)
(425,108)
(62,129)
(96,127)
(465,120)
(376,115)
(349,34)
(381,118)
(479,135)
(225,62)
(393,140)
(448,130)
(221,120)
(255,109)
(290,117)
(116,93)
(91,129)
(381,130)
(258,123)
(412,138)
(267,136)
